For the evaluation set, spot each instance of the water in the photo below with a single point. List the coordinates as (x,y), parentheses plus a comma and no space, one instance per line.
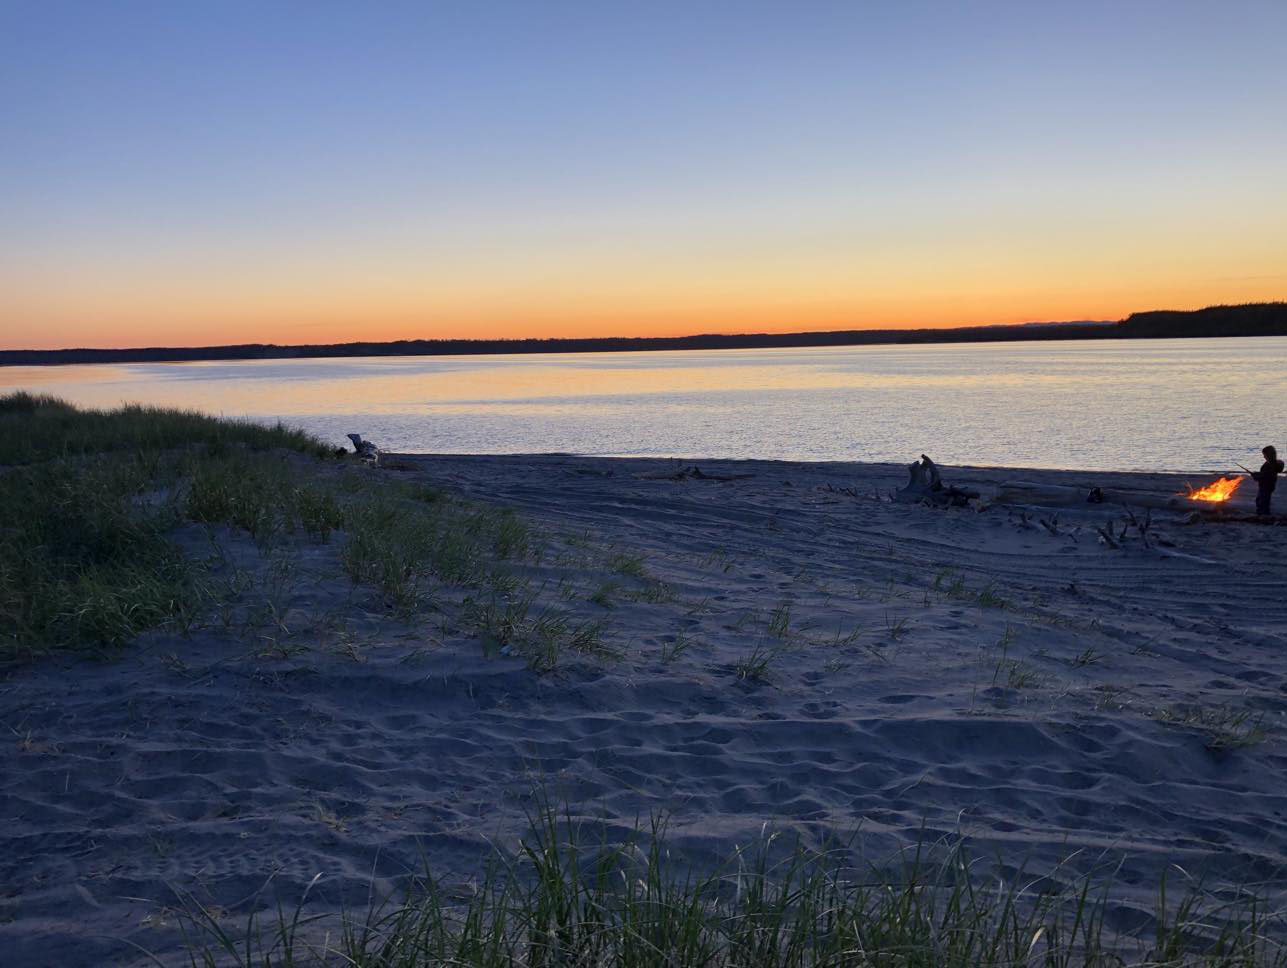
(1097,404)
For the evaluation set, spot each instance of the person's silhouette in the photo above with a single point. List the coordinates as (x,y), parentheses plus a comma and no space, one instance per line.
(1267,478)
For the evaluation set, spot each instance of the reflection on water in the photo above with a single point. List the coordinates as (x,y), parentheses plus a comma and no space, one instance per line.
(1176,404)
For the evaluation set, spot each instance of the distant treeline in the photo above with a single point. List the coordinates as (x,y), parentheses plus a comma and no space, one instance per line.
(1251,319)
(1256,319)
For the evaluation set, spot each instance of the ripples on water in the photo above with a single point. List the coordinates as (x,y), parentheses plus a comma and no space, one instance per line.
(1102,404)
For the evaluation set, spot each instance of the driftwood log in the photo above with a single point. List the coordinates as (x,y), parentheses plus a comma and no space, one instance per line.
(1204,516)
(925,486)
(691,473)
(1059,495)
(365,450)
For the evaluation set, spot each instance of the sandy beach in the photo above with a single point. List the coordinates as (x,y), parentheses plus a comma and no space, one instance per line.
(770,645)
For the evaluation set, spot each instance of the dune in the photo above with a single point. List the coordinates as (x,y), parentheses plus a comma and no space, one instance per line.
(768,643)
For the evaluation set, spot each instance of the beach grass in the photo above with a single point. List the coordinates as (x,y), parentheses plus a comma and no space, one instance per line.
(81,559)
(260,496)
(399,543)
(603,594)
(38,428)
(1223,727)
(756,665)
(565,898)
(91,500)
(86,502)
(677,645)
(511,620)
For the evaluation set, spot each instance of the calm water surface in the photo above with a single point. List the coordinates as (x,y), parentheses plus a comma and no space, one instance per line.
(1125,405)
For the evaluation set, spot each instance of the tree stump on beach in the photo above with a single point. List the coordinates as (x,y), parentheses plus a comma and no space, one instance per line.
(925,486)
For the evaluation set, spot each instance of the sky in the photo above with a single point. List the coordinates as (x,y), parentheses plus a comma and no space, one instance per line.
(195,173)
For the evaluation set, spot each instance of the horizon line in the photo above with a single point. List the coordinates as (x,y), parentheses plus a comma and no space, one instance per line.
(765,339)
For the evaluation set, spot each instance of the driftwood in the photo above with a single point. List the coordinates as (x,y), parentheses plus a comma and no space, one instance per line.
(925,486)
(1146,499)
(848,491)
(691,473)
(1051,524)
(1063,495)
(365,450)
(1205,516)
(1143,528)
(1050,495)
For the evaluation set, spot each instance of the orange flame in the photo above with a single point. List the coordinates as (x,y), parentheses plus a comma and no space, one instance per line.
(1220,490)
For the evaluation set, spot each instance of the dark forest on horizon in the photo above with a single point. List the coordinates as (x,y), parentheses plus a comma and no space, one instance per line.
(1252,319)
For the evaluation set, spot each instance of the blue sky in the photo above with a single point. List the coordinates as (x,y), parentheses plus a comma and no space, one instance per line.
(303,170)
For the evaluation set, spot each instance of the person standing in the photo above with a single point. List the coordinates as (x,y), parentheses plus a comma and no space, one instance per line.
(1267,478)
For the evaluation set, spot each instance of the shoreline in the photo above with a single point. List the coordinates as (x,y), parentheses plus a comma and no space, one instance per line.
(1170,483)
(971,470)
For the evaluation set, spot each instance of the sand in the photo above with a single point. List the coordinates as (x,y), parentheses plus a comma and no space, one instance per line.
(930,673)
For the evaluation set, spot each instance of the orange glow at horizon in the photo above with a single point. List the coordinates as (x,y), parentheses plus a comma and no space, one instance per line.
(177,311)
(509,284)
(222,324)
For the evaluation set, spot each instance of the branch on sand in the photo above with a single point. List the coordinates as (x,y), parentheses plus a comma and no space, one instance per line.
(691,473)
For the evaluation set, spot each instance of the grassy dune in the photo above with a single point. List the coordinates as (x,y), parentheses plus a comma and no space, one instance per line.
(91,498)
(39,428)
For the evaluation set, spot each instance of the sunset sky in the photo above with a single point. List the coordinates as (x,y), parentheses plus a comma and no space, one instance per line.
(187,173)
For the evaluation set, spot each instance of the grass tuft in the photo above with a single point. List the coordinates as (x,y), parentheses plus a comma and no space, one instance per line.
(81,562)
(755,666)
(1225,728)
(563,898)
(602,596)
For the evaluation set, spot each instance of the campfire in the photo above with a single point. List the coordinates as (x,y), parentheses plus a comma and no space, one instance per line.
(1217,491)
